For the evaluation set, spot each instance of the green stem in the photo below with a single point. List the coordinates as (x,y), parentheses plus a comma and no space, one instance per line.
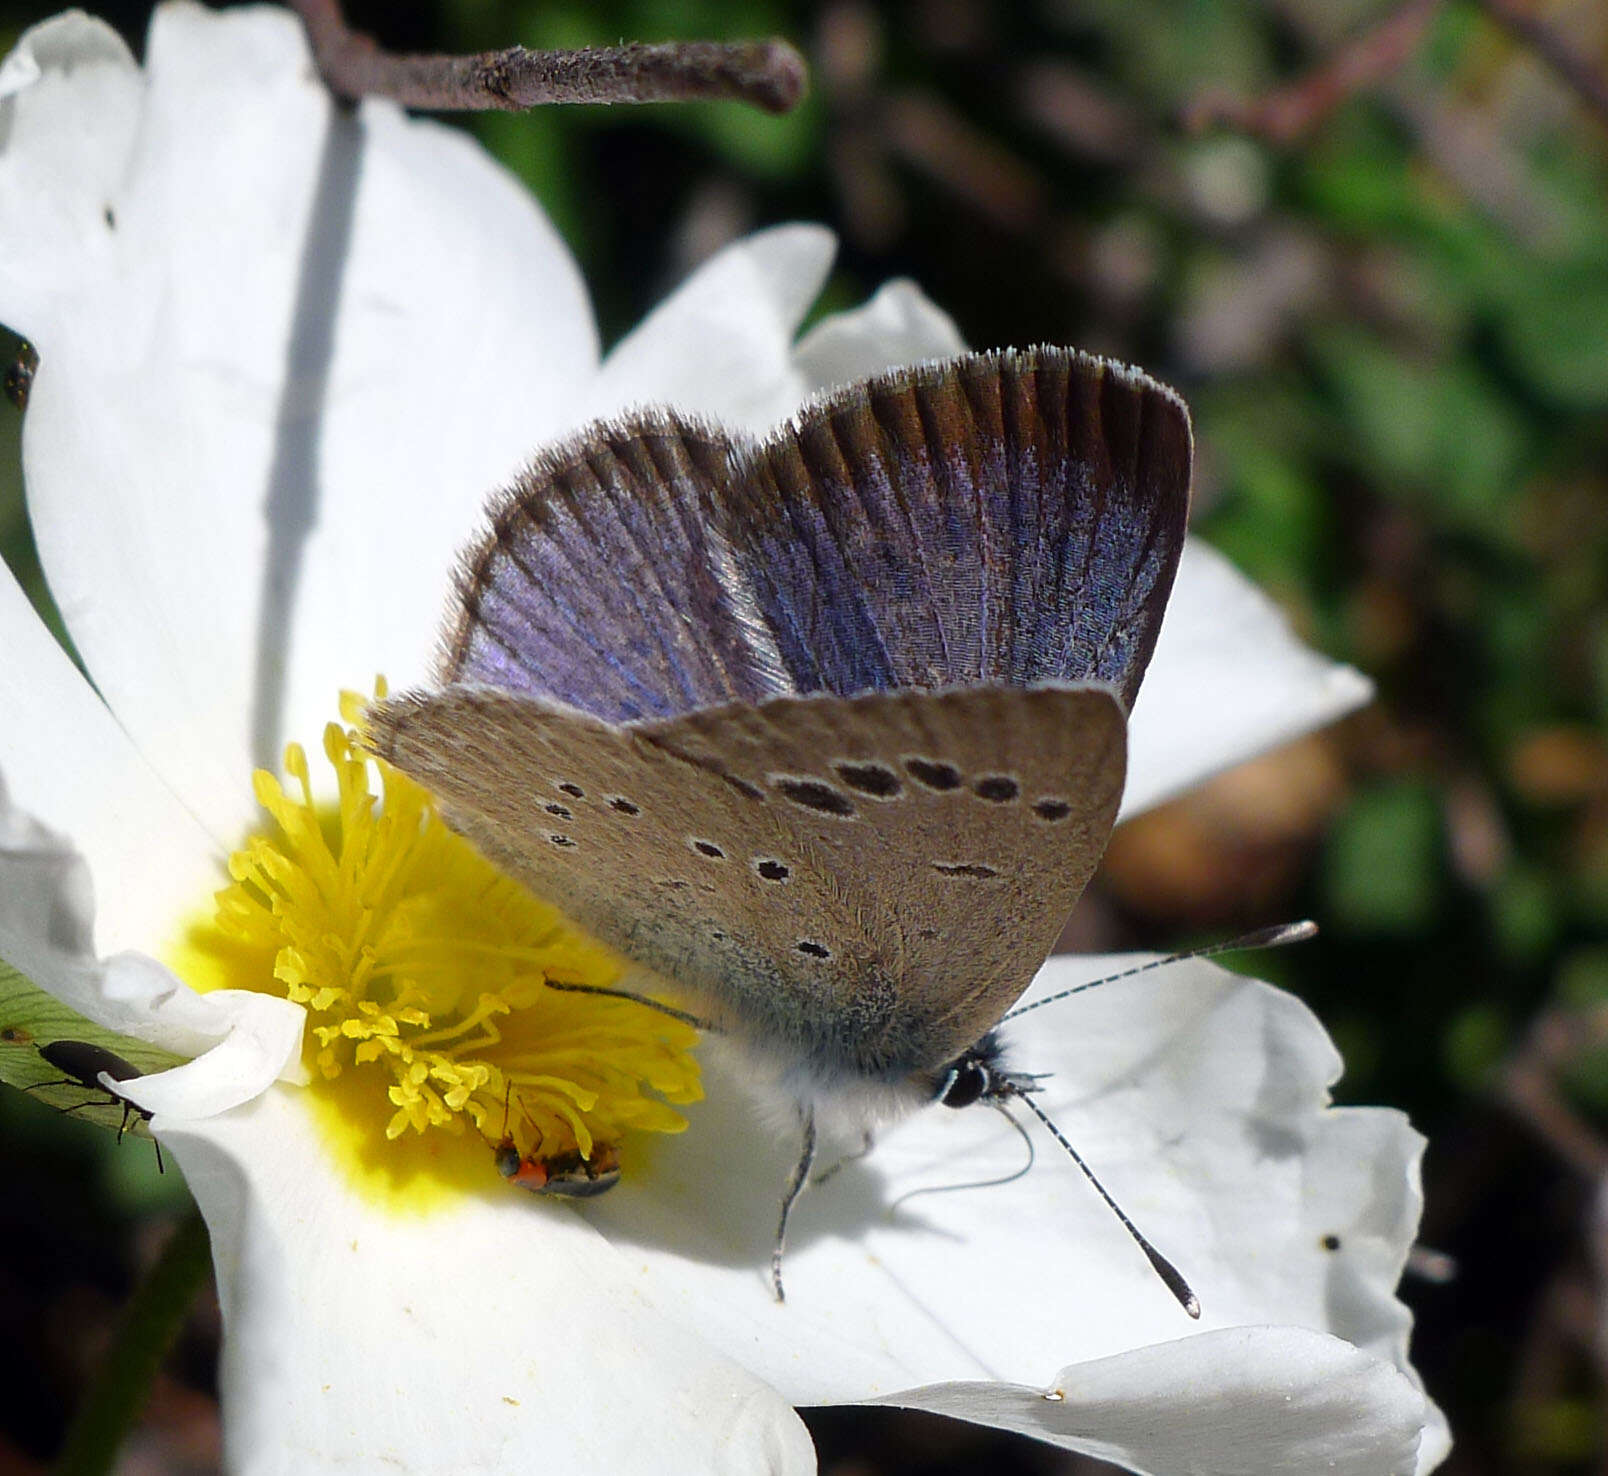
(150,1324)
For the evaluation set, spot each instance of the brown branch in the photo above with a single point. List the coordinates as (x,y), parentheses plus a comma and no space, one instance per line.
(1527,1084)
(1566,63)
(1286,113)
(769,74)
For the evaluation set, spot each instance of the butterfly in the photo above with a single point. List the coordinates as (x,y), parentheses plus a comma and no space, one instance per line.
(828,728)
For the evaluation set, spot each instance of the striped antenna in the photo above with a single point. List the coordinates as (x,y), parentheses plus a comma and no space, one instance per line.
(1274,937)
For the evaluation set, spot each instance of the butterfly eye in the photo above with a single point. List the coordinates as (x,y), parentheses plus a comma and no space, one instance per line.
(966,1082)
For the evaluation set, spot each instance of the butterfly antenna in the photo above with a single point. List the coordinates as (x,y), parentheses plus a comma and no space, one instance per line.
(979,1183)
(1171,1277)
(1274,937)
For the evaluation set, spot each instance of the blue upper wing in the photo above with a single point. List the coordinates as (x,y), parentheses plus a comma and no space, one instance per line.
(1010,517)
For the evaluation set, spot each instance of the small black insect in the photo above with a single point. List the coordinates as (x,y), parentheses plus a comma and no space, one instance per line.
(83,1064)
(19,377)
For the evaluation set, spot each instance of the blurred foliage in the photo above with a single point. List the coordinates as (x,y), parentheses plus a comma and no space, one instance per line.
(1393,329)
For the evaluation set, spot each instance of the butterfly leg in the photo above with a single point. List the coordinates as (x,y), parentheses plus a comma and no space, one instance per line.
(826,1175)
(797,1181)
(685,1016)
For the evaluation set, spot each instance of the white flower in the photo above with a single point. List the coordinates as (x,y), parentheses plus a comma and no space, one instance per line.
(285,353)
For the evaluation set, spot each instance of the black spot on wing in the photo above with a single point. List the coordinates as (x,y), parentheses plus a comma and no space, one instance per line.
(876,780)
(812,794)
(933,773)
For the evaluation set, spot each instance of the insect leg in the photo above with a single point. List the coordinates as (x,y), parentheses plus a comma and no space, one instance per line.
(110,1101)
(796,1183)
(826,1175)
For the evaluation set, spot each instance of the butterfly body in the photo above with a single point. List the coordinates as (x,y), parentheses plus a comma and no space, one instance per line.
(828,729)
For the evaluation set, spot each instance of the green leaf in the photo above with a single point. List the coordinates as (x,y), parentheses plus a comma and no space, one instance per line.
(1382,869)
(30,1019)
(1556,328)
(759,144)
(1582,980)
(1434,432)
(1524,912)
(1474,1045)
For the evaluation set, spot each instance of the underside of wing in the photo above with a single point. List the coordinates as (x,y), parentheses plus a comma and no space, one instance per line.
(673,860)
(863,884)
(960,827)
(1008,517)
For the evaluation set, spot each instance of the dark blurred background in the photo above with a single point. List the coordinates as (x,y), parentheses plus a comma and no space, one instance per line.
(1369,241)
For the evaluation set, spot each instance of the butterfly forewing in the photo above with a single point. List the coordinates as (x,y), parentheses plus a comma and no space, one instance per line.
(860,883)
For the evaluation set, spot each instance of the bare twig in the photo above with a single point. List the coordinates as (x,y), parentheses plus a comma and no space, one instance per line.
(1566,63)
(1527,1084)
(1286,113)
(769,74)
(927,133)
(1461,141)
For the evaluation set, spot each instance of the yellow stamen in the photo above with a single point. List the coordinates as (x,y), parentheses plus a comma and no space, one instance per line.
(423,971)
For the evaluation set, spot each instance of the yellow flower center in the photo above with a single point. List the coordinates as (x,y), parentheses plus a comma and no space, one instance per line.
(424,970)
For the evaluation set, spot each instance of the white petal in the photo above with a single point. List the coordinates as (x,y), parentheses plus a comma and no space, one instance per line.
(139,857)
(1246,1399)
(1229,680)
(1200,1097)
(69,100)
(721,345)
(899,325)
(47,932)
(226,428)
(67,766)
(263,1046)
(499,1335)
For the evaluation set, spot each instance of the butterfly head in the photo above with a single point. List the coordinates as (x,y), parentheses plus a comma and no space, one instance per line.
(978,1074)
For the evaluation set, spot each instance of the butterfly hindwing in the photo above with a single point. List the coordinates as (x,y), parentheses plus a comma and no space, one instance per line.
(957,828)
(816,871)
